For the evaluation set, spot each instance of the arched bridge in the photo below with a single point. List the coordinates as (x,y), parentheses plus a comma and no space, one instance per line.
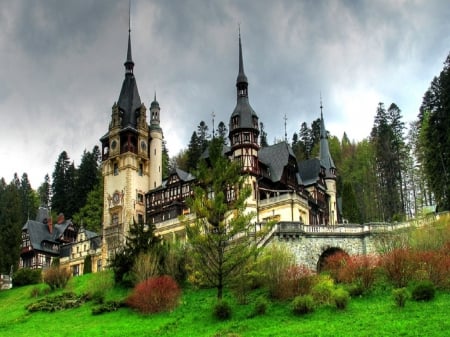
(311,244)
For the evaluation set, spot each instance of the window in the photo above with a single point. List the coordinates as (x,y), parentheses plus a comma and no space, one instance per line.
(140,198)
(140,219)
(115,219)
(247,137)
(116,169)
(141,169)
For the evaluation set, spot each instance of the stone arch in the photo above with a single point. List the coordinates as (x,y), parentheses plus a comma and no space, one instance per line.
(329,251)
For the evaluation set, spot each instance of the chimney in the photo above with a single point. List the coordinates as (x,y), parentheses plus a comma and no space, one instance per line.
(50,225)
(60,219)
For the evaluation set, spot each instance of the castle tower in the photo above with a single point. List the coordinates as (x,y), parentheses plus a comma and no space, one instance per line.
(244,126)
(156,138)
(330,170)
(126,161)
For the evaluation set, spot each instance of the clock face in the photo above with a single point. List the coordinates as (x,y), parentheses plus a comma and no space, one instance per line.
(116,198)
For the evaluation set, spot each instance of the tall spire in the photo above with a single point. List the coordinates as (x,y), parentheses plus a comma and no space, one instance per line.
(129,64)
(129,100)
(241,75)
(325,156)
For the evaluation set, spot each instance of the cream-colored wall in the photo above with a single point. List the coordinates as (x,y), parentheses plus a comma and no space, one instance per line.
(331,191)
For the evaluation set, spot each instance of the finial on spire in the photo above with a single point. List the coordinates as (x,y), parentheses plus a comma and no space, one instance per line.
(285,130)
(129,64)
(321,106)
(129,16)
(155,96)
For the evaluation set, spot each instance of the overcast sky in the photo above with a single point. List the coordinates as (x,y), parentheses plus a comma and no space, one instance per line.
(62,67)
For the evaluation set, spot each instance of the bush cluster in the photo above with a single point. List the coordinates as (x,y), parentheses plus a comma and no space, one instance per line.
(155,294)
(26,276)
(341,298)
(56,303)
(359,270)
(400,296)
(107,306)
(57,277)
(423,291)
(302,305)
(222,310)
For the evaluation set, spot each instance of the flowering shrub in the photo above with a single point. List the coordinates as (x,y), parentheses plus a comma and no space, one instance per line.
(155,294)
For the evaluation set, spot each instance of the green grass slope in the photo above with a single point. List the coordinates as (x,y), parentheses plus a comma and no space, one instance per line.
(368,316)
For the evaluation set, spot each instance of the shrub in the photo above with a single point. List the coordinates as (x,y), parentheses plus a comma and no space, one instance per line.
(175,260)
(296,280)
(108,306)
(57,277)
(302,305)
(56,303)
(99,285)
(423,291)
(355,290)
(433,266)
(39,290)
(155,295)
(400,266)
(341,298)
(26,276)
(242,282)
(272,265)
(87,269)
(145,266)
(400,296)
(357,269)
(260,307)
(222,310)
(334,263)
(322,291)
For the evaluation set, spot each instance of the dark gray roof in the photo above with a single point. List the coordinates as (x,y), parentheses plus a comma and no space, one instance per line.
(325,156)
(309,170)
(245,112)
(39,233)
(129,100)
(276,157)
(243,109)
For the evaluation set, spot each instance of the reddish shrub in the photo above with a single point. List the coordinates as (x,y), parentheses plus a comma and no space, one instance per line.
(155,294)
(433,266)
(359,269)
(334,263)
(294,281)
(400,266)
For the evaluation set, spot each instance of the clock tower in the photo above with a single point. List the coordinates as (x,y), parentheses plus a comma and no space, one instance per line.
(131,161)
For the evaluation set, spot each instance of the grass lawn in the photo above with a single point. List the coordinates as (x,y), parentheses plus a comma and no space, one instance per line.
(374,315)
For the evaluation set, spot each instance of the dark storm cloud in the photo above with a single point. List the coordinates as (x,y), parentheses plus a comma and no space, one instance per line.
(63,67)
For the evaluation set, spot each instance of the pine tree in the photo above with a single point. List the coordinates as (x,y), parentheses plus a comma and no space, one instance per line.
(45,192)
(219,236)
(434,120)
(10,225)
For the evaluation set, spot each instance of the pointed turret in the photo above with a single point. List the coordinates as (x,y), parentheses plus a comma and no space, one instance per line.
(325,156)
(244,125)
(129,100)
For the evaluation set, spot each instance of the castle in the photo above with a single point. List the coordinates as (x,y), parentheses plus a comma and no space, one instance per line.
(283,188)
